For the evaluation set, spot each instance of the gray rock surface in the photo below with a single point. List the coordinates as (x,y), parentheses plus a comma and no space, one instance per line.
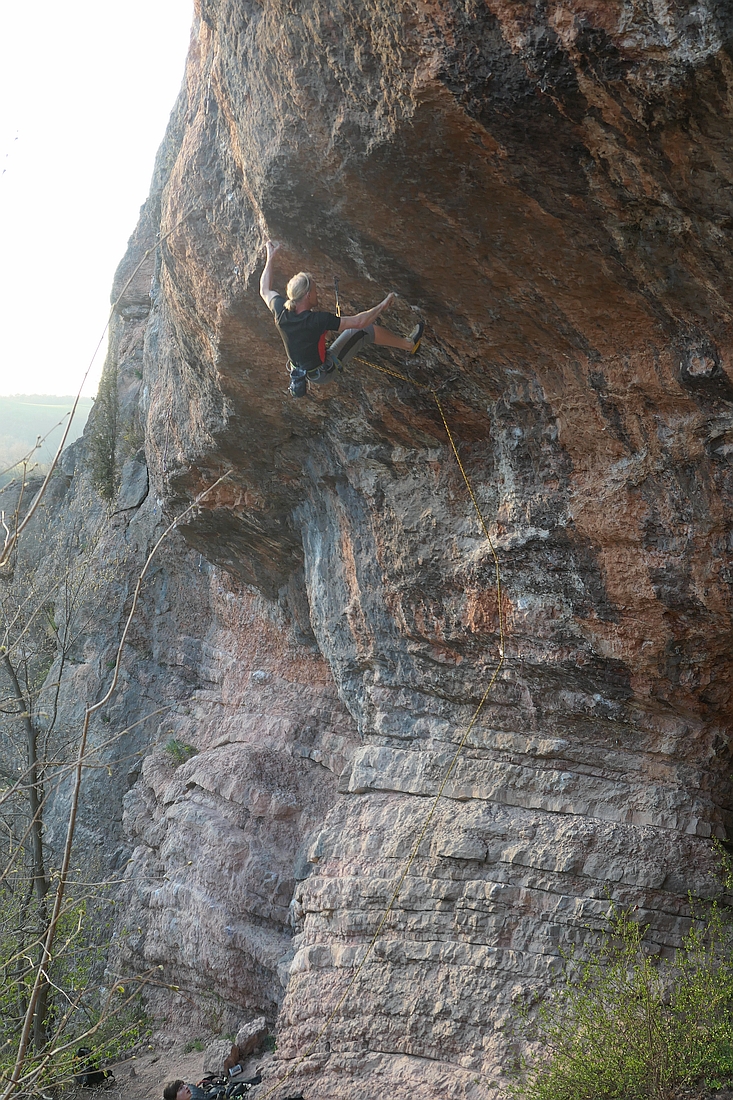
(251,1035)
(214,1056)
(70,457)
(550,188)
(133,485)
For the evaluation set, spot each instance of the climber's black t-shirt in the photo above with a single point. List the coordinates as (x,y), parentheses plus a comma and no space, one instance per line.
(303,334)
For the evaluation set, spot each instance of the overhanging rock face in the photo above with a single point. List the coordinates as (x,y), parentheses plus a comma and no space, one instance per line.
(551,189)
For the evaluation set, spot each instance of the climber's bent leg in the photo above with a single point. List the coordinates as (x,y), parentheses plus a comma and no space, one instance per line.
(387,339)
(349,342)
(324,373)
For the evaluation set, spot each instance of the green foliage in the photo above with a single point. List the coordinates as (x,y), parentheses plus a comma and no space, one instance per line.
(628,1026)
(179,751)
(122,1024)
(133,437)
(194,1044)
(726,865)
(82,1010)
(16,972)
(103,437)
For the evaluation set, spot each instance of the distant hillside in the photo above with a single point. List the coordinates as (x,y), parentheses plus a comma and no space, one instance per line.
(24,417)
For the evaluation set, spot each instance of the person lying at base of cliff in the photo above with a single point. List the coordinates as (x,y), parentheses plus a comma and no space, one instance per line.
(303,327)
(179,1090)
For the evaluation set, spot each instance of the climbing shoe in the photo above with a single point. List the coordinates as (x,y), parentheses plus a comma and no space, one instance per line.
(416,336)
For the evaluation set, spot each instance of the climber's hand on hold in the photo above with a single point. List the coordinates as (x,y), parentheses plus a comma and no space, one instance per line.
(266,291)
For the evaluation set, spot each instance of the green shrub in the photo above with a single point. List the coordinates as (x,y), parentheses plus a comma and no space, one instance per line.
(103,435)
(193,1044)
(628,1026)
(109,1019)
(179,751)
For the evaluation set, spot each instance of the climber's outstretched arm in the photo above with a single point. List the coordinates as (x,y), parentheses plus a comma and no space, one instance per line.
(363,320)
(266,291)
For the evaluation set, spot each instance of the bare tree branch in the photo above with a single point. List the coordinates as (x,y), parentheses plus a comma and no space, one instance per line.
(38,985)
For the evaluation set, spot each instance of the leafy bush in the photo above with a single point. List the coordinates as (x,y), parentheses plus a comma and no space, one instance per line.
(628,1026)
(179,751)
(108,1019)
(103,436)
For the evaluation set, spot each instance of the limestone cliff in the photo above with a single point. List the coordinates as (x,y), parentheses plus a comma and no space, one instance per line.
(550,187)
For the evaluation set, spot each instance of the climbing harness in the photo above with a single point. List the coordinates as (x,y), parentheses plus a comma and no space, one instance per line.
(459,749)
(300,376)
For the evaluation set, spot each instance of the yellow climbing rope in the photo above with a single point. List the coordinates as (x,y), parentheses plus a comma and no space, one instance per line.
(451,768)
(394,374)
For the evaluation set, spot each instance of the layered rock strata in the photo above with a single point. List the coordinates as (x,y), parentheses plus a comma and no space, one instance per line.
(550,189)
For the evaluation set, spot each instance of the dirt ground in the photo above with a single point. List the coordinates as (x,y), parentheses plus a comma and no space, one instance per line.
(144,1076)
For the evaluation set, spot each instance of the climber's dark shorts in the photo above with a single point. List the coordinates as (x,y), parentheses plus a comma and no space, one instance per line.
(340,352)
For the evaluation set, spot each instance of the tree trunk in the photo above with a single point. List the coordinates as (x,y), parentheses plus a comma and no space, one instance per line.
(34,788)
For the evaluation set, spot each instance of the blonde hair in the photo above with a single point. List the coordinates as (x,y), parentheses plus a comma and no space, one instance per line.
(297,288)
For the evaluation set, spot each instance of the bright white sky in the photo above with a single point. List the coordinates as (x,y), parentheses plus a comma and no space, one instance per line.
(86,88)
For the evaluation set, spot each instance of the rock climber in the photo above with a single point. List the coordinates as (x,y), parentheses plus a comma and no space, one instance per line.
(303,327)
